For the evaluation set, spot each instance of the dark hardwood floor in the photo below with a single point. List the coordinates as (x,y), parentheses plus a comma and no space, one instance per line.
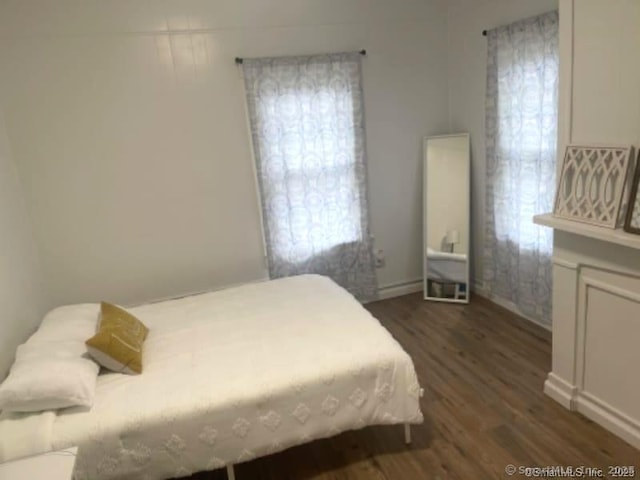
(483,370)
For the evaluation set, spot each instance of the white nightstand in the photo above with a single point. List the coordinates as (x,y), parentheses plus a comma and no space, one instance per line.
(48,466)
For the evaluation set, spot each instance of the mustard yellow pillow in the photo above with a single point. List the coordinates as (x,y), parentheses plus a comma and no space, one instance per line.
(118,343)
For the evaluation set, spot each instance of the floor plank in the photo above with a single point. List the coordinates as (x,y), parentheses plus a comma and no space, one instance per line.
(483,369)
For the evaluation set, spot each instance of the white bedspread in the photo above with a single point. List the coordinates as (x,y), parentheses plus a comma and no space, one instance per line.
(25,434)
(446,266)
(240,373)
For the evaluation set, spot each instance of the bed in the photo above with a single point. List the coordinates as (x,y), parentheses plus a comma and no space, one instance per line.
(446,266)
(233,375)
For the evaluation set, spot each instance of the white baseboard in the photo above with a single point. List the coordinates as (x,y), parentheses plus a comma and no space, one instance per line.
(561,391)
(592,407)
(479,290)
(399,289)
(609,417)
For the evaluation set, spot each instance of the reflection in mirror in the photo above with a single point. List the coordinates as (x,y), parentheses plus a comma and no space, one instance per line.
(446,218)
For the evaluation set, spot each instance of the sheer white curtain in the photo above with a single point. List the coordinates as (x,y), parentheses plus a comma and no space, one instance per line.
(521,133)
(307,126)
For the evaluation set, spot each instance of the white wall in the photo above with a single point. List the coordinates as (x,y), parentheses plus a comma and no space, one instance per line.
(128,127)
(22,295)
(467,72)
(606,72)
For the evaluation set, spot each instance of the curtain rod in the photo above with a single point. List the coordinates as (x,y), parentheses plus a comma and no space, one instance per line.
(239,60)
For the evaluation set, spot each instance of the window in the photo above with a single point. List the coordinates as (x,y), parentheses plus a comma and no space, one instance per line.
(307,127)
(521,130)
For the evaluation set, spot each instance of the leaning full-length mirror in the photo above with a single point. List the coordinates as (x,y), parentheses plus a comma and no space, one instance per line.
(446,218)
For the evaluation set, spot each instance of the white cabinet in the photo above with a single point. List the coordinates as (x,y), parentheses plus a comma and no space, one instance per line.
(596,324)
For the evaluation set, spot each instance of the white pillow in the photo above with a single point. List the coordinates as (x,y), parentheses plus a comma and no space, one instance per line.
(52,369)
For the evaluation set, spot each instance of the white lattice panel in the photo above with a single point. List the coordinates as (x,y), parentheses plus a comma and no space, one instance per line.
(593,183)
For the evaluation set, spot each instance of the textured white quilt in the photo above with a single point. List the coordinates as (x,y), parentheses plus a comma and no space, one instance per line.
(236,374)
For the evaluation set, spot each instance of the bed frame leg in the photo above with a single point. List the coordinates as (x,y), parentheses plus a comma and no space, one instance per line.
(231,475)
(407,433)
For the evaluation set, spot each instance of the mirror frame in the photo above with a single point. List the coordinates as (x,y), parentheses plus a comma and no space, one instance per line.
(633,200)
(425,140)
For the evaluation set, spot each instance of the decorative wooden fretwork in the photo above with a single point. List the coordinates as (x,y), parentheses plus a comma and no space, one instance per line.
(593,184)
